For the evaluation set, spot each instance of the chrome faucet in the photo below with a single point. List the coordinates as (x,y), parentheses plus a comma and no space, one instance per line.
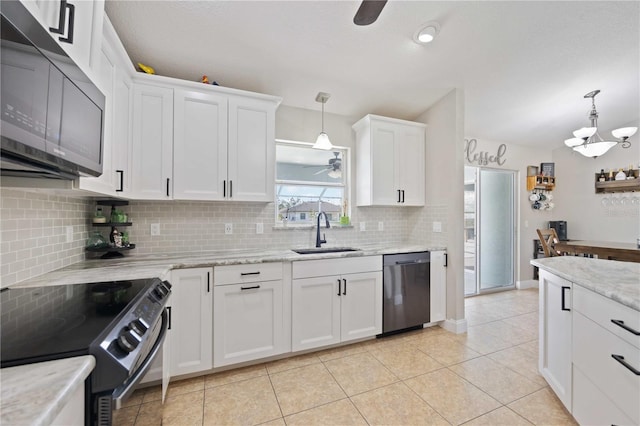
(319,241)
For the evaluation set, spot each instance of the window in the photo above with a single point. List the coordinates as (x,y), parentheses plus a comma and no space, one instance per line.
(309,180)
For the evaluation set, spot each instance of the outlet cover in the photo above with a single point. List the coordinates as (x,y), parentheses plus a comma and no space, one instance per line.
(363,226)
(259,228)
(228,228)
(381,226)
(437,226)
(69,231)
(155,229)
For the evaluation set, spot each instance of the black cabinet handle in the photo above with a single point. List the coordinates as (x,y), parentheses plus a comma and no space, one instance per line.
(621,360)
(121,180)
(224,189)
(250,288)
(168,180)
(398,195)
(208,282)
(446,260)
(621,323)
(339,287)
(563,298)
(344,292)
(242,274)
(62,20)
(72,15)
(170,316)
(230,189)
(403,195)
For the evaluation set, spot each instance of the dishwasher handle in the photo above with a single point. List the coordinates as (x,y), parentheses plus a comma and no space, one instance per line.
(410,262)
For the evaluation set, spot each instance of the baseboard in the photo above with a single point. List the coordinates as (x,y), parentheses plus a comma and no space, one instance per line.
(455,326)
(522,285)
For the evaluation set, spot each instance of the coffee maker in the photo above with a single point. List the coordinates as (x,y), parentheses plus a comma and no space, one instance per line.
(561,228)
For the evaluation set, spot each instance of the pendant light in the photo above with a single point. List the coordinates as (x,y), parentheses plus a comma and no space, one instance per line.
(588,142)
(323,142)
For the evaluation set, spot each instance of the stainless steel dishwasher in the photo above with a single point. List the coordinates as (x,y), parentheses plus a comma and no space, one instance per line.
(406,289)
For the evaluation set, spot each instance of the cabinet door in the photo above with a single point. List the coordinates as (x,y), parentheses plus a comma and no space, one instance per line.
(315,316)
(121,143)
(385,191)
(361,305)
(152,143)
(438,281)
(191,321)
(248,322)
(556,334)
(200,145)
(410,163)
(251,149)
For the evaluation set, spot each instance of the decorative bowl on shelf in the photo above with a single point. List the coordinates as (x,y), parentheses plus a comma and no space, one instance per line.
(96,240)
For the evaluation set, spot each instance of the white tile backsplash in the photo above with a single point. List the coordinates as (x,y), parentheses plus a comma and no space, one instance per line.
(33,229)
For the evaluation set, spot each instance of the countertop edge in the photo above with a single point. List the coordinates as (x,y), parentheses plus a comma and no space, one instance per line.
(49,388)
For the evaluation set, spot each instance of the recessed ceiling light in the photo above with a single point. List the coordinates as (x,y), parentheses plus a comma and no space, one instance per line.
(426,33)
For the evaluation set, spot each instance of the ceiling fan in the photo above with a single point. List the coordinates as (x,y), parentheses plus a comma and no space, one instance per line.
(368,11)
(334,167)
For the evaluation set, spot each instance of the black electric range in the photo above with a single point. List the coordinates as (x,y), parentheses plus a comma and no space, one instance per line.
(121,323)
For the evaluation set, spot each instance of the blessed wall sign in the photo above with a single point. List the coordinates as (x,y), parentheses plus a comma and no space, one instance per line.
(483,158)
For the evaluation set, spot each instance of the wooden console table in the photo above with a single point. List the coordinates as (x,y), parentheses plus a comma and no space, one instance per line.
(627,252)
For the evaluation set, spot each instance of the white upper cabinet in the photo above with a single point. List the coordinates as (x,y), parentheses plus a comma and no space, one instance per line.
(200,145)
(152,143)
(390,159)
(76,25)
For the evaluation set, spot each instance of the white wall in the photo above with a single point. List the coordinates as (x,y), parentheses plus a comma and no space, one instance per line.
(577,202)
(528,220)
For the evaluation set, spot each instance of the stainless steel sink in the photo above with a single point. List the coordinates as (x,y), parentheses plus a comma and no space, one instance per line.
(316,250)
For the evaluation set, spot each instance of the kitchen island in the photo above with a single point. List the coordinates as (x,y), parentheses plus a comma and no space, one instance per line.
(589,336)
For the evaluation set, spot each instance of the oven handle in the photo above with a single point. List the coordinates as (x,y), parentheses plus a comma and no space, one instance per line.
(122,392)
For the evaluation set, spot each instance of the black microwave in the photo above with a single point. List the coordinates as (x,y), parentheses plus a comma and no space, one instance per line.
(52,114)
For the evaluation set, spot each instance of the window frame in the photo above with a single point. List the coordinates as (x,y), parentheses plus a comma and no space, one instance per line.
(345,184)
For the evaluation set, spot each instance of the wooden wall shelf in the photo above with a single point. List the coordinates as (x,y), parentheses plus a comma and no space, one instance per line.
(547,183)
(629,185)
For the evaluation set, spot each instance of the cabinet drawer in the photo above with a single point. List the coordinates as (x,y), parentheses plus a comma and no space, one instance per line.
(602,311)
(249,273)
(593,347)
(324,267)
(591,406)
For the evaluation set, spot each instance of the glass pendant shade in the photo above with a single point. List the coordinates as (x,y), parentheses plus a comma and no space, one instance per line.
(323,142)
(585,132)
(594,149)
(573,142)
(624,132)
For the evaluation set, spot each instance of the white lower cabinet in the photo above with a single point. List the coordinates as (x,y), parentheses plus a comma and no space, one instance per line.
(554,360)
(191,320)
(335,308)
(249,313)
(438,282)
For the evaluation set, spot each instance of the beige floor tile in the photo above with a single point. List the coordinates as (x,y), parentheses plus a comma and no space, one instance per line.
(305,387)
(135,399)
(451,396)
(235,375)
(360,373)
(185,386)
(125,416)
(527,322)
(276,422)
(396,404)
(475,318)
(501,383)
(184,409)
(542,408)
(511,333)
(531,347)
(521,361)
(406,361)
(249,401)
(481,341)
(293,362)
(503,416)
(153,393)
(447,350)
(337,413)
(341,351)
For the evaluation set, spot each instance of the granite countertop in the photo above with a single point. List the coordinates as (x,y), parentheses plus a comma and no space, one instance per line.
(619,281)
(159,265)
(34,394)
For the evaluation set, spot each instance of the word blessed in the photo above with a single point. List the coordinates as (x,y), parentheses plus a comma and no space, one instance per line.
(483,158)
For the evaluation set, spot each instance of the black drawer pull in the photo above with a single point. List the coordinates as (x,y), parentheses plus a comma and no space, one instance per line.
(168,182)
(621,323)
(562,300)
(250,288)
(224,189)
(208,282)
(121,172)
(170,316)
(339,286)
(242,274)
(621,360)
(344,292)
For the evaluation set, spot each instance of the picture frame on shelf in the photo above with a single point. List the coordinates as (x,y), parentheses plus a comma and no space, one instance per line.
(547,169)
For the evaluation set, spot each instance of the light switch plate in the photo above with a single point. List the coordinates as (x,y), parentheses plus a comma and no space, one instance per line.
(437,226)
(259,228)
(363,226)
(155,229)
(381,226)
(69,231)
(228,228)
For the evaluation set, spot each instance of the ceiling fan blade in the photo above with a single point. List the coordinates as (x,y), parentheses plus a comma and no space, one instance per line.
(368,11)
(321,171)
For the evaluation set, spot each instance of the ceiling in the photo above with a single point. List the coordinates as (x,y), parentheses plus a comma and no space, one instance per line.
(524,66)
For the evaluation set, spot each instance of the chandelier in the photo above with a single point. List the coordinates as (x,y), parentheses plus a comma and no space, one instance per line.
(588,142)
